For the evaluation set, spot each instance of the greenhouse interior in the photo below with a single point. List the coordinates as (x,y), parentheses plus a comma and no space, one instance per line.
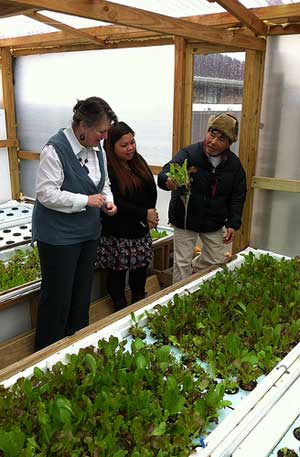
(207,365)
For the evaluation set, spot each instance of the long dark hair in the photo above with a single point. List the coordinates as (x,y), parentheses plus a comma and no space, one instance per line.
(92,110)
(128,182)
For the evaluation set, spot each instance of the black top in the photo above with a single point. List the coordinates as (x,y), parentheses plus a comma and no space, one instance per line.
(132,209)
(217,194)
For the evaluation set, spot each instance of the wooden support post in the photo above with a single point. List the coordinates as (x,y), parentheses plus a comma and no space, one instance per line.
(11,128)
(188,95)
(253,81)
(178,106)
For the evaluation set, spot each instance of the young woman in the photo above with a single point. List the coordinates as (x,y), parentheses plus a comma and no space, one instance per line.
(126,244)
(72,188)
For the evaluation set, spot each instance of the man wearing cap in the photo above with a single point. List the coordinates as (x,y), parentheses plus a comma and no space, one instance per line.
(217,196)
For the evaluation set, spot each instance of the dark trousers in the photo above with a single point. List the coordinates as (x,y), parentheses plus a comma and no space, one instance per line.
(67,277)
(116,286)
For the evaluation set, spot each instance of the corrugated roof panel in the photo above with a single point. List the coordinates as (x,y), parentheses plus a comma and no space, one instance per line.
(174,8)
(179,8)
(15,26)
(73,21)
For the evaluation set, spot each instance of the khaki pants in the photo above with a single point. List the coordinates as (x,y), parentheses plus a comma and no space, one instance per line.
(213,251)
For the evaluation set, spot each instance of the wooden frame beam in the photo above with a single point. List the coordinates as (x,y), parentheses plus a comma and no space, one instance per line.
(285,29)
(247,17)
(277,184)
(188,95)
(179,91)
(11,9)
(156,169)
(28,155)
(115,34)
(9,143)
(107,34)
(10,115)
(266,14)
(118,14)
(91,46)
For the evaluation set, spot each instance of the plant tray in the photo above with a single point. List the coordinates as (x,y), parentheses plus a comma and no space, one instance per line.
(248,409)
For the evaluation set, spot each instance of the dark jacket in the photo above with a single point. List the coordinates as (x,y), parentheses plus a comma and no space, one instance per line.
(132,210)
(217,194)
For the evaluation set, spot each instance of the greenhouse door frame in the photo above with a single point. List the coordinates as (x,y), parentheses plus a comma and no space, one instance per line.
(250,115)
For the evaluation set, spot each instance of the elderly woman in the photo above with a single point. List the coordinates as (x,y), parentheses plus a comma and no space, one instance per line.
(72,189)
(126,245)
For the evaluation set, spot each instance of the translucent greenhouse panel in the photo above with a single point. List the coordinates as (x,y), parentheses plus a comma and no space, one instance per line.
(5,188)
(276,215)
(1,90)
(217,87)
(137,83)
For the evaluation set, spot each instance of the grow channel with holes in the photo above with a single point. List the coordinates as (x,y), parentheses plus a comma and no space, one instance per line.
(235,423)
(15,224)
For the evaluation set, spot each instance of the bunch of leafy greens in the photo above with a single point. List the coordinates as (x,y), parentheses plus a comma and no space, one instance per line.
(239,323)
(22,267)
(157,234)
(109,402)
(180,176)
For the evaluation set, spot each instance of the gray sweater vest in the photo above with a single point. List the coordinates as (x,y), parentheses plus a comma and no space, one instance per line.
(55,227)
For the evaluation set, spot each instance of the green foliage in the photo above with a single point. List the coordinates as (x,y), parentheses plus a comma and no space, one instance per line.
(179,174)
(108,402)
(22,267)
(156,399)
(12,442)
(157,234)
(239,323)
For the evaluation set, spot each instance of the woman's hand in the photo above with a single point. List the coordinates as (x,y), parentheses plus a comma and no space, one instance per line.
(110,209)
(96,200)
(152,218)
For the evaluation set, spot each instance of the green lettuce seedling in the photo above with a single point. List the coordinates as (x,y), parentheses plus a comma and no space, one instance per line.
(179,174)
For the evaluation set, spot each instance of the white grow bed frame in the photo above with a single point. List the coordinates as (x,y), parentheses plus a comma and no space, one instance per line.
(27,288)
(230,437)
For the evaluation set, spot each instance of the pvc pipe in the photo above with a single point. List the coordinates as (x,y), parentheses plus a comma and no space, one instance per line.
(276,423)
(243,420)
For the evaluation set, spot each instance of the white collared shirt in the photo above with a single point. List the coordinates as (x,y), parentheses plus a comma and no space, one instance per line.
(50,177)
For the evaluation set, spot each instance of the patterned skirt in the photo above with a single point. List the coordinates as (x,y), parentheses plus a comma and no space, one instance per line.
(124,253)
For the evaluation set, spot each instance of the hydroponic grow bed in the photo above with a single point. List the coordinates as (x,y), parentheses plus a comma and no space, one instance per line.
(15,224)
(249,409)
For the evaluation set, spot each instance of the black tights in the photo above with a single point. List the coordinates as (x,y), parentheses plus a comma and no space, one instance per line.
(116,286)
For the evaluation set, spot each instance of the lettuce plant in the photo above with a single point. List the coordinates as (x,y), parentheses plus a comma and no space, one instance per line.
(22,267)
(179,174)
(107,401)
